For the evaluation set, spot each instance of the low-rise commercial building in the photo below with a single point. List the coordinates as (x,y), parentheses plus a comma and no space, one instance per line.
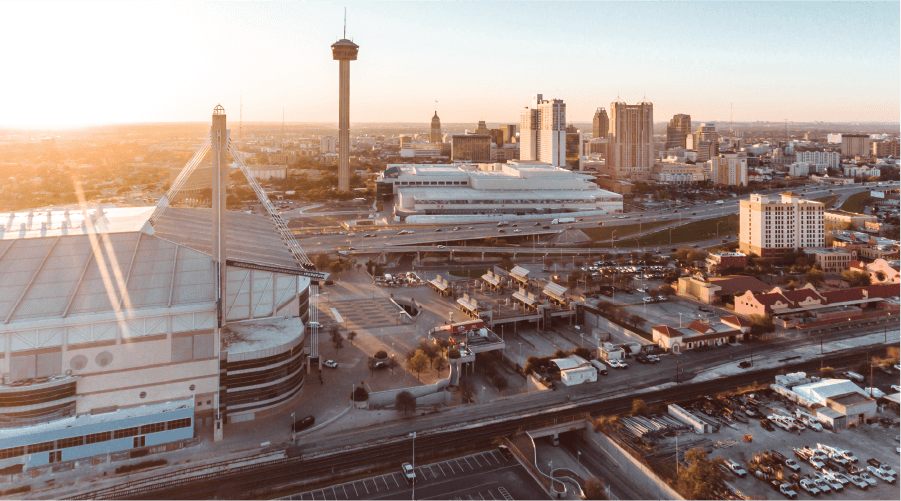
(697,334)
(844,220)
(677,173)
(515,188)
(832,259)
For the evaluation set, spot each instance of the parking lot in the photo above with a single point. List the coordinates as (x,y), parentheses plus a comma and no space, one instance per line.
(480,476)
(866,441)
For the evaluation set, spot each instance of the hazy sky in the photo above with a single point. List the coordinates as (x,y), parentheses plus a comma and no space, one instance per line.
(78,62)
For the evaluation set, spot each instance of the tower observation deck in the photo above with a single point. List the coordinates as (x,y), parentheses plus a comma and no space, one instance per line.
(344,51)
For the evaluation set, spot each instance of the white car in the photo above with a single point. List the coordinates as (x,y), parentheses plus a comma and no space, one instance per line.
(792,464)
(330,364)
(867,478)
(858,482)
(896,388)
(809,486)
(440,246)
(613,363)
(881,474)
(648,299)
(838,477)
(822,485)
(409,472)
(735,467)
(517,230)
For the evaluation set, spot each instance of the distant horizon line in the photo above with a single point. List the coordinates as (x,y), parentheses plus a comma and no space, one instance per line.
(427,123)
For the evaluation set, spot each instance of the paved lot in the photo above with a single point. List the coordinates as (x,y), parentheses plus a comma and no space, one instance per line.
(480,476)
(865,442)
(362,313)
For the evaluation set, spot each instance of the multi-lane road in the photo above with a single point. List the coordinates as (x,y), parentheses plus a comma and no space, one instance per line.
(388,238)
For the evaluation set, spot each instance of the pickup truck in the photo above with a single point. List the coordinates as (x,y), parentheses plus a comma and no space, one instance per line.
(883,467)
(788,462)
(809,486)
(787,491)
(878,473)
(735,467)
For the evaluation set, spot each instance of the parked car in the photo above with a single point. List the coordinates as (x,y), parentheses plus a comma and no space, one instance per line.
(883,467)
(787,491)
(867,478)
(735,467)
(381,365)
(809,486)
(505,452)
(330,364)
(303,424)
(858,482)
(881,475)
(408,472)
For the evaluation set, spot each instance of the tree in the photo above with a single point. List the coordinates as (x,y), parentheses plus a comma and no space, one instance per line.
(636,320)
(381,354)
(856,278)
(467,389)
(351,336)
(405,401)
(703,477)
(453,354)
(322,261)
(583,352)
(667,290)
(336,337)
(761,324)
(815,277)
(430,349)
(595,489)
(419,363)
(506,263)
(360,394)
(500,382)
(639,408)
(336,267)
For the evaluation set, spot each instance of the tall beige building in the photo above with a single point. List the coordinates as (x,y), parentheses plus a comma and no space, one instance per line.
(772,227)
(855,145)
(542,131)
(729,170)
(435,132)
(630,153)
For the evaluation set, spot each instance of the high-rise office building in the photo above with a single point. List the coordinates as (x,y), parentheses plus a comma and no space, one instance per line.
(855,145)
(771,227)
(630,152)
(542,131)
(497,137)
(344,51)
(471,148)
(601,124)
(435,132)
(482,129)
(679,127)
(509,133)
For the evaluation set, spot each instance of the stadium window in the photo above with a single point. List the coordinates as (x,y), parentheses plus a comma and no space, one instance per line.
(125,433)
(153,428)
(98,437)
(44,446)
(12,452)
(178,423)
(69,442)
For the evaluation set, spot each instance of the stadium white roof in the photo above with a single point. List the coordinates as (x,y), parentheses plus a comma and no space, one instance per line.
(111,265)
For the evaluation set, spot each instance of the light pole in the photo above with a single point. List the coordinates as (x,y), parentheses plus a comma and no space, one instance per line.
(579,458)
(680,320)
(718,229)
(293,424)
(414,464)
(613,234)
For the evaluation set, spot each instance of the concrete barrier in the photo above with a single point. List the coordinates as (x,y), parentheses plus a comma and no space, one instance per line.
(483,218)
(684,416)
(429,394)
(632,468)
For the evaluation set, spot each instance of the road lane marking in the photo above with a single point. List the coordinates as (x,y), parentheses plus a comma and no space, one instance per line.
(458,464)
(334,492)
(386,482)
(467,463)
(356,492)
(492,495)
(433,471)
(375,484)
(364,486)
(481,496)
(442,469)
(345,492)
(323,493)
(494,457)
(476,459)
(395,480)
(451,467)
(470,497)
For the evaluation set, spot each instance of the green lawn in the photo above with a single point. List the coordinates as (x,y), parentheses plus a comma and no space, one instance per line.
(856,202)
(698,230)
(606,232)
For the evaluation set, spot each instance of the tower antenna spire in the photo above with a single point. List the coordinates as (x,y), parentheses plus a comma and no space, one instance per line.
(345,22)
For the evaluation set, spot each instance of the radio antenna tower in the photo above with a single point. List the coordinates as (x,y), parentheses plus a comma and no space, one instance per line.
(731,129)
(283,123)
(240,113)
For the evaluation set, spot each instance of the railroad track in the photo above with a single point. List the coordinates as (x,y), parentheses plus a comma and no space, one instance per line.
(244,482)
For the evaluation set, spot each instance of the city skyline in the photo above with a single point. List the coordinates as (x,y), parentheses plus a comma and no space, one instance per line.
(127,63)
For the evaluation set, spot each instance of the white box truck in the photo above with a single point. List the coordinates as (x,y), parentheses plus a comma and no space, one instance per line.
(562,220)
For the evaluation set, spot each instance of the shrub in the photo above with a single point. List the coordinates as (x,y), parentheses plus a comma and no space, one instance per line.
(639,408)
(453,354)
(500,382)
(381,354)
(582,352)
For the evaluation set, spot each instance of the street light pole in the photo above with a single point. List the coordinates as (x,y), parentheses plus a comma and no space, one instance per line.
(414,465)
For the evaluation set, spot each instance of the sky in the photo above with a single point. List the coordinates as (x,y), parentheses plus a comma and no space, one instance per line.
(75,63)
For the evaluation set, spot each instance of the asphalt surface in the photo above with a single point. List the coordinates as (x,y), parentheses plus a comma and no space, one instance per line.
(388,237)
(483,475)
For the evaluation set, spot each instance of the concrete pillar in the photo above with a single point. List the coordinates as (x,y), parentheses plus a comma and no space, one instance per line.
(556,438)
(483,256)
